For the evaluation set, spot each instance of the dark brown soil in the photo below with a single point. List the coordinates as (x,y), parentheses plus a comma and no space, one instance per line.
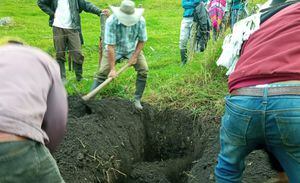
(115,143)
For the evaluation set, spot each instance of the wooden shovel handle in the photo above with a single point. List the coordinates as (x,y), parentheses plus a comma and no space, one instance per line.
(102,85)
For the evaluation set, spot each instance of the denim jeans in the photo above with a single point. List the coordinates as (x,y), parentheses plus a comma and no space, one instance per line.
(27,161)
(185,30)
(250,123)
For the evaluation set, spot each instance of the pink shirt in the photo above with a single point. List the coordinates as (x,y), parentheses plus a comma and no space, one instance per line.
(272,53)
(33,100)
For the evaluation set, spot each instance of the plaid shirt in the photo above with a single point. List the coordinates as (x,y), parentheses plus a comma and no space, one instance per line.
(124,38)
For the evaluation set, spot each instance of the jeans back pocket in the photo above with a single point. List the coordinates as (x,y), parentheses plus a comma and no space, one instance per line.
(235,126)
(289,129)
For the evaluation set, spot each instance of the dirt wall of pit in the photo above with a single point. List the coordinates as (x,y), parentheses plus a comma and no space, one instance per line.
(115,143)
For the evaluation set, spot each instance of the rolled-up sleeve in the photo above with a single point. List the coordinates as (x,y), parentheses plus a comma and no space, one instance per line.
(142,35)
(55,119)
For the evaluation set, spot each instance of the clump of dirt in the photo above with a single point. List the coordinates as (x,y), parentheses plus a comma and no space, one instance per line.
(115,143)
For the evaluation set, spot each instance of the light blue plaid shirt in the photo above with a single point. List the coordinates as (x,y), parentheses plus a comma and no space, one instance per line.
(124,38)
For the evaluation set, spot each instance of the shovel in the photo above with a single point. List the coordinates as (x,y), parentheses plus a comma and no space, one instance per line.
(102,85)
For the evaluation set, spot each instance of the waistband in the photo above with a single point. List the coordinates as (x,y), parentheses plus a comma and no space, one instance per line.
(267,91)
(7,137)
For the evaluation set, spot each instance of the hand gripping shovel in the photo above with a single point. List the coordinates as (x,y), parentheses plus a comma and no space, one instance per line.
(102,85)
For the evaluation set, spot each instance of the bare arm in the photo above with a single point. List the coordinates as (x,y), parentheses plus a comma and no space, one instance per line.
(138,49)
(111,60)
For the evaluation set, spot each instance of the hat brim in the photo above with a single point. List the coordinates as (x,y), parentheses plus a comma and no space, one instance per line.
(126,19)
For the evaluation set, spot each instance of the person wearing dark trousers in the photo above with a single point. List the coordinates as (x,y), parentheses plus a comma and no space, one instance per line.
(33,114)
(64,17)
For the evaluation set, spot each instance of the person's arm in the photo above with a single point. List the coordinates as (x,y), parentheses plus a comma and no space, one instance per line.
(111,60)
(110,42)
(138,49)
(142,38)
(45,7)
(89,7)
(55,119)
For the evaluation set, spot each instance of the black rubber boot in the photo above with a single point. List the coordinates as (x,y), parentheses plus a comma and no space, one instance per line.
(78,71)
(140,86)
(183,54)
(62,70)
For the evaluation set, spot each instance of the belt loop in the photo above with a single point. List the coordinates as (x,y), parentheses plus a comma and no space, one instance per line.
(265,95)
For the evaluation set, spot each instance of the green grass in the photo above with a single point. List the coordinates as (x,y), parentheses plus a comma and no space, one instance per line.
(200,86)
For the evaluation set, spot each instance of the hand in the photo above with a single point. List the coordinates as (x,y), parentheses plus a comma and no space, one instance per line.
(106,12)
(112,73)
(132,61)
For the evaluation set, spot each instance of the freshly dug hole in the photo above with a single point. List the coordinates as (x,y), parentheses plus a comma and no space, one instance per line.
(115,143)
(118,144)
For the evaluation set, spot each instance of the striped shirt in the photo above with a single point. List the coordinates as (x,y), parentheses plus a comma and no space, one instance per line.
(124,38)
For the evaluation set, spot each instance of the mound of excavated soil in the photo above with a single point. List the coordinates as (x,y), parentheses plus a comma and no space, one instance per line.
(115,143)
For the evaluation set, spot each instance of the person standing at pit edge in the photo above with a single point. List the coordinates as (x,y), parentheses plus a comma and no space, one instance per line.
(64,17)
(263,108)
(238,11)
(125,37)
(186,26)
(33,112)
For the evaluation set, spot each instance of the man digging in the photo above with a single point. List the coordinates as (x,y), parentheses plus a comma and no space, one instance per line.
(125,36)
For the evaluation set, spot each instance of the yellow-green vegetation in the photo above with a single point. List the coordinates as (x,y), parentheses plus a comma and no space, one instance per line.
(199,86)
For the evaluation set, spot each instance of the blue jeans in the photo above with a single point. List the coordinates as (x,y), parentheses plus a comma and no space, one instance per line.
(250,123)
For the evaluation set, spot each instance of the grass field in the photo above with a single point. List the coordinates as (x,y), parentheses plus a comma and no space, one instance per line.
(199,86)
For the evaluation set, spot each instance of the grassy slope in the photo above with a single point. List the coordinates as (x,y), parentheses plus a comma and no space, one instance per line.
(198,86)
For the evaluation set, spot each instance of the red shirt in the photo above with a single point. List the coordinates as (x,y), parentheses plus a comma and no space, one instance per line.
(272,53)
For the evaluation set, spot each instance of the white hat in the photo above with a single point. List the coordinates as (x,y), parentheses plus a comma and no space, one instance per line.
(127,14)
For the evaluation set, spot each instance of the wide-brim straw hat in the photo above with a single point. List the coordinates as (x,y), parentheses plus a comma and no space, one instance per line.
(127,14)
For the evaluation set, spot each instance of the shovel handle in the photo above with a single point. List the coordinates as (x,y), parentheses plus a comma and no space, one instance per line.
(102,85)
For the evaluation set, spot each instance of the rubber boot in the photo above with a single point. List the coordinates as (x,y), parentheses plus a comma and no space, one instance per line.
(183,54)
(140,87)
(62,71)
(78,71)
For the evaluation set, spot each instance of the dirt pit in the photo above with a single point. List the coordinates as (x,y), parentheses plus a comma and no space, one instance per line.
(115,143)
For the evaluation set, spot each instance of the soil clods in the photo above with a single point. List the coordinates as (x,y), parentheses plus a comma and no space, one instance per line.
(116,143)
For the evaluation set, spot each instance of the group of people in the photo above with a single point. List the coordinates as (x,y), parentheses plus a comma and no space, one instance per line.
(124,38)
(262,109)
(219,13)
(33,105)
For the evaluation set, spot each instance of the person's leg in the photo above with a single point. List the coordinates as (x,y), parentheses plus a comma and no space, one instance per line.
(141,68)
(75,51)
(240,133)
(59,40)
(283,133)
(102,73)
(20,162)
(185,28)
(48,169)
